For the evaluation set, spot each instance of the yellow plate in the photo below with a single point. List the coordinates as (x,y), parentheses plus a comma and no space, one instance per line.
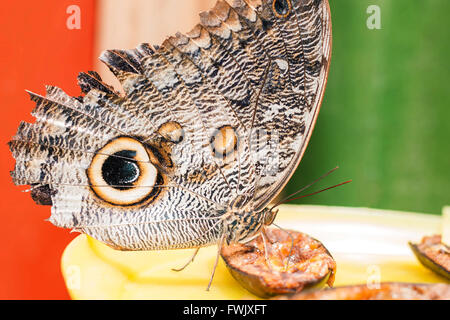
(370,246)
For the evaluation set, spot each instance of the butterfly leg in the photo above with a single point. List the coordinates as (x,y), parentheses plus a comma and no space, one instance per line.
(292,246)
(266,239)
(219,248)
(189,261)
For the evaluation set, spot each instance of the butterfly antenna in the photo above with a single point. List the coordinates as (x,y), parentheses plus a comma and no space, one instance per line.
(304,188)
(307,195)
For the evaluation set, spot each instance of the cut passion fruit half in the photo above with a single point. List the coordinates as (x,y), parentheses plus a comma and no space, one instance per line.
(293,261)
(385,291)
(433,254)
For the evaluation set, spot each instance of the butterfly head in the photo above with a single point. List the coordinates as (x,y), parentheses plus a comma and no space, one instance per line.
(269,216)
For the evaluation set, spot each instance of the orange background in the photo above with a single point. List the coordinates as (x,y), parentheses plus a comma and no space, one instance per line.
(36,49)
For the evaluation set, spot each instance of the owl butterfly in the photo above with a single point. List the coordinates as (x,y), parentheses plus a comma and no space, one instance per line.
(211,126)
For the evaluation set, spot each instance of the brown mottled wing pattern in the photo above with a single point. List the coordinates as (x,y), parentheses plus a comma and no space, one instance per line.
(302,41)
(212,124)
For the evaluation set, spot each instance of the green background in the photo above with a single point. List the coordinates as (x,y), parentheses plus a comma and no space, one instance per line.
(385,119)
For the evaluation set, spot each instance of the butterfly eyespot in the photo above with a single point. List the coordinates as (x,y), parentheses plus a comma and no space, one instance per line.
(281,8)
(121,173)
(171,131)
(224,141)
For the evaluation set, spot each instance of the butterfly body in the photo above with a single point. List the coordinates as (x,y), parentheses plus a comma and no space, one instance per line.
(210,127)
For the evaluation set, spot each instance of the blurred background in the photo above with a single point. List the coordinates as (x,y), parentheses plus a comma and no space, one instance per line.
(384,119)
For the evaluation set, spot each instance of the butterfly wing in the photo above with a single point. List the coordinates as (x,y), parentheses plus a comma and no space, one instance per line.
(298,38)
(161,166)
